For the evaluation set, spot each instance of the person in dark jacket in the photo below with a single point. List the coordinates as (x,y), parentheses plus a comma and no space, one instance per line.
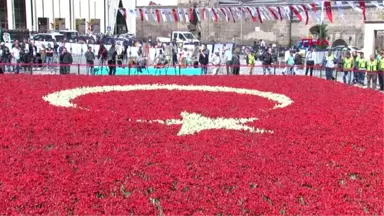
(236,63)
(5,57)
(267,62)
(298,59)
(90,58)
(203,60)
(65,61)
(112,54)
(27,49)
(102,55)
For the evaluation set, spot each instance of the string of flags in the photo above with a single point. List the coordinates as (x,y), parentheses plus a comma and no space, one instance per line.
(302,12)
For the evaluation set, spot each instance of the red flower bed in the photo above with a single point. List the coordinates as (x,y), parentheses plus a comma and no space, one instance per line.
(325,155)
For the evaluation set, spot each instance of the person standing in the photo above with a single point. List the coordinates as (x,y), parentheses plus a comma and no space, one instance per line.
(298,59)
(381,71)
(102,55)
(267,62)
(90,59)
(329,64)
(5,57)
(216,61)
(236,63)
(310,62)
(372,72)
(228,60)
(27,55)
(112,53)
(204,60)
(65,61)
(362,65)
(348,67)
(49,57)
(16,55)
(251,62)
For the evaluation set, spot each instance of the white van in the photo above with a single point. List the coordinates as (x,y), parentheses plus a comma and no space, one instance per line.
(185,37)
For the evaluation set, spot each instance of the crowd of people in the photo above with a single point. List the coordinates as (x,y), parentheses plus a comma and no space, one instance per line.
(356,67)
(25,55)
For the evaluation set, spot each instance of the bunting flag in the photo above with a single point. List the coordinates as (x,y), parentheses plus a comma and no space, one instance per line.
(203,14)
(340,9)
(293,9)
(362,6)
(306,14)
(273,13)
(328,10)
(262,13)
(376,3)
(157,12)
(170,15)
(352,4)
(254,19)
(287,12)
(233,17)
(259,15)
(192,16)
(141,14)
(152,12)
(186,15)
(181,17)
(214,17)
(174,15)
(279,11)
(164,15)
(314,12)
(123,12)
(224,14)
(132,12)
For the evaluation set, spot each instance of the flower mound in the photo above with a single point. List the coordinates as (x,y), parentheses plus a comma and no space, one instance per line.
(189,145)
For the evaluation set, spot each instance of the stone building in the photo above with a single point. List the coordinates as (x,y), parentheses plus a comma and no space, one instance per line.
(285,32)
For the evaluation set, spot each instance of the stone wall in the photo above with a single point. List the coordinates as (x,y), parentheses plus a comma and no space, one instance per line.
(271,31)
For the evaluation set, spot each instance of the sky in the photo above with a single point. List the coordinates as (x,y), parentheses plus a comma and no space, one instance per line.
(162,2)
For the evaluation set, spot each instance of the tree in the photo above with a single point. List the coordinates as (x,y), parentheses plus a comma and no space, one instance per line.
(321,33)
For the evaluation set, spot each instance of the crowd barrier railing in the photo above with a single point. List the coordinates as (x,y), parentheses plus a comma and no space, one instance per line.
(77,68)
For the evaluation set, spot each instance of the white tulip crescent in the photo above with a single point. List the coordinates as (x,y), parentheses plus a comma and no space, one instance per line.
(191,122)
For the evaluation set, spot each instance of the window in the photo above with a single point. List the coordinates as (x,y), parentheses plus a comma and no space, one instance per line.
(20,17)
(189,36)
(181,37)
(37,38)
(3,14)
(59,38)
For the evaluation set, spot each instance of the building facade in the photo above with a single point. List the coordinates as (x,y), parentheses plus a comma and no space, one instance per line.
(98,16)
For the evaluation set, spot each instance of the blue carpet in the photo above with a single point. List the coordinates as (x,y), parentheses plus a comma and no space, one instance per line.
(150,71)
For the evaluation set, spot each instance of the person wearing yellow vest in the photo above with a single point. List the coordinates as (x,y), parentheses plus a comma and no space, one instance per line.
(251,62)
(372,72)
(381,71)
(329,64)
(348,67)
(362,67)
